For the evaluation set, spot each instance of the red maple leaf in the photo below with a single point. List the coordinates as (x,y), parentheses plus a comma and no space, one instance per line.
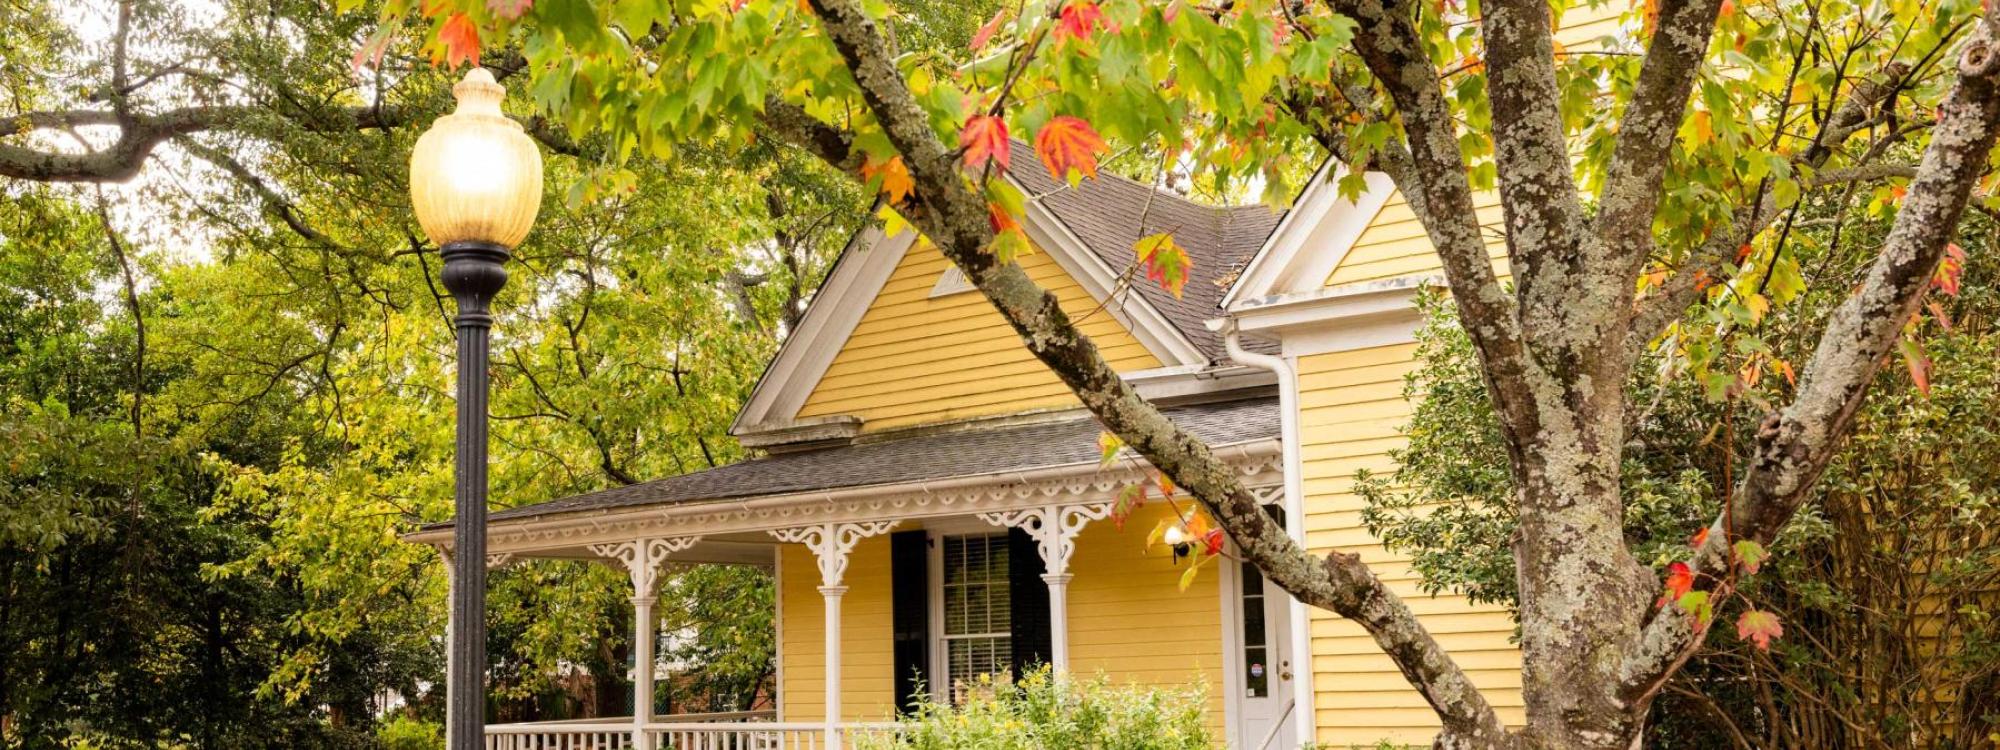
(458,42)
(1680,580)
(984,137)
(1069,147)
(1950,270)
(1212,541)
(1078,19)
(987,30)
(1759,627)
(1167,263)
(509,9)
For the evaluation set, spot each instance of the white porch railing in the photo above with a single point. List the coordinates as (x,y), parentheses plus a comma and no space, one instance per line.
(735,731)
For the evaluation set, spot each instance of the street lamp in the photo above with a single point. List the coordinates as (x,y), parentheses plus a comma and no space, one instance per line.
(475,182)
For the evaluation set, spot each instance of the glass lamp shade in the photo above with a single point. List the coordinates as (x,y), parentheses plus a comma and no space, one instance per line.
(475,176)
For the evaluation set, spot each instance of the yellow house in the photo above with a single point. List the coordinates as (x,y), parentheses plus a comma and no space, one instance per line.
(932,503)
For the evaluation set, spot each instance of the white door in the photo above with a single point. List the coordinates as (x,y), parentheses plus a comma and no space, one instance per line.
(1263,664)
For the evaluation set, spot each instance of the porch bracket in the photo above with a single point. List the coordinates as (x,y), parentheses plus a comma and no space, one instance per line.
(1054,529)
(831,543)
(643,559)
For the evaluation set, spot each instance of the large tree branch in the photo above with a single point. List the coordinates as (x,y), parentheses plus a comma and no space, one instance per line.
(140,134)
(955,219)
(1434,180)
(1631,195)
(1794,445)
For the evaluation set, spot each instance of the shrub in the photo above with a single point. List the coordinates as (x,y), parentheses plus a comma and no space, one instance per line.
(1041,711)
(408,733)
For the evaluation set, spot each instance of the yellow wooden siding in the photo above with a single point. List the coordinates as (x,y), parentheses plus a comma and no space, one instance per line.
(867,663)
(914,359)
(1351,408)
(1129,620)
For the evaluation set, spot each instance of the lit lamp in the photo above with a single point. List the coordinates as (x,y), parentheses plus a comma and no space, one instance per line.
(475,182)
(1176,538)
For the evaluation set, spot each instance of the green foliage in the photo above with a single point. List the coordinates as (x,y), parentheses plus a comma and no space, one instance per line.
(409,733)
(1041,711)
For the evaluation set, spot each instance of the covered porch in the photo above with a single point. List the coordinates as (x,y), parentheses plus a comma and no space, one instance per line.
(963,499)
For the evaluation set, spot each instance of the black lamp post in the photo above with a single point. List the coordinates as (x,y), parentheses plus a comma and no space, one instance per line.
(476,183)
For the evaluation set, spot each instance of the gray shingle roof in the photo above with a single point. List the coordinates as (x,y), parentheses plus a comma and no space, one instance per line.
(1105,213)
(972,452)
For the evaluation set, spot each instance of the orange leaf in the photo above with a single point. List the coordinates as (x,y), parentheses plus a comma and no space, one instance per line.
(986,32)
(1700,538)
(984,137)
(459,42)
(1950,270)
(1069,148)
(1759,627)
(890,177)
(1078,19)
(1918,363)
(1166,263)
(1680,580)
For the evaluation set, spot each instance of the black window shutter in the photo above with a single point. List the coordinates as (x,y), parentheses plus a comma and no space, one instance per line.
(910,588)
(1028,601)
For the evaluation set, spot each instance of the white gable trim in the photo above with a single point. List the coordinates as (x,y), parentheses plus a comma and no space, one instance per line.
(1130,309)
(857,277)
(1313,238)
(865,266)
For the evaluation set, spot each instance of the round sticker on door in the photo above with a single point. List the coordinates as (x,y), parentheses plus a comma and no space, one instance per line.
(1256,670)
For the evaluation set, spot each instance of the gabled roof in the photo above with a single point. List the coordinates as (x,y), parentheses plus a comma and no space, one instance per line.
(995,451)
(1089,229)
(1105,213)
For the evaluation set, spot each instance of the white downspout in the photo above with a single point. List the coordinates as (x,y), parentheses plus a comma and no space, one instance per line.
(1304,715)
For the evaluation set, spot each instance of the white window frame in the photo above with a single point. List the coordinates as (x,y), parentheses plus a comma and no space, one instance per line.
(939,669)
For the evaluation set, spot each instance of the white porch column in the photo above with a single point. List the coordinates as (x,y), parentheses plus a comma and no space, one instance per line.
(493,560)
(643,558)
(831,543)
(1054,529)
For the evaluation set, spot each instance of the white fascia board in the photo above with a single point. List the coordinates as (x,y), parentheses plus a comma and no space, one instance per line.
(836,308)
(1333,319)
(1313,238)
(1132,310)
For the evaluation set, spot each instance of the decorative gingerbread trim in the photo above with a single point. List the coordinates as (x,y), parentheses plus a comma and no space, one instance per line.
(831,542)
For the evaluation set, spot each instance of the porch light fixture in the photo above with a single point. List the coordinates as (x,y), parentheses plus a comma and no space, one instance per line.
(1176,537)
(476,183)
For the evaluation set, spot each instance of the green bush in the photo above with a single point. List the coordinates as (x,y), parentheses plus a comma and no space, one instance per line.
(1059,714)
(408,733)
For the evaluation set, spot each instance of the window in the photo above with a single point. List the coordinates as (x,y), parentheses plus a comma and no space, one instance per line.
(977,613)
(1256,653)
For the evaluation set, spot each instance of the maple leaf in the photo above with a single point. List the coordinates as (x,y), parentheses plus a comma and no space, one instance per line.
(1700,538)
(1950,270)
(1759,627)
(1069,147)
(1212,542)
(1166,262)
(984,137)
(1918,363)
(986,31)
(1680,580)
(509,9)
(1751,556)
(458,42)
(1078,19)
(1009,241)
(890,177)
(1108,444)
(369,54)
